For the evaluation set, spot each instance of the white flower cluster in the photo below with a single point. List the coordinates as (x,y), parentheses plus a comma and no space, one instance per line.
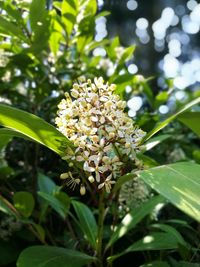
(95,121)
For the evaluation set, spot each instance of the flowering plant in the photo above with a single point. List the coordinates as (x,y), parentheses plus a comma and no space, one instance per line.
(130,176)
(104,136)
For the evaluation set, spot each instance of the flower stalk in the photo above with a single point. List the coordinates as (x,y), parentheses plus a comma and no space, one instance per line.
(101,217)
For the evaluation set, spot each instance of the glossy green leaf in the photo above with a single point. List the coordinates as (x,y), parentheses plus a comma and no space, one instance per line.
(24,203)
(46,256)
(155,141)
(153,241)
(46,184)
(87,222)
(171,230)
(179,183)
(34,128)
(164,123)
(60,207)
(133,218)
(191,120)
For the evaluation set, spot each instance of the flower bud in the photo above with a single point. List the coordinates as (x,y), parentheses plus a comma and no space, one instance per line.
(82,190)
(64,175)
(91,179)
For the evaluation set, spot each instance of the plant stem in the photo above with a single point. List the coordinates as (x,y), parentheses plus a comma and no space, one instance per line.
(100,228)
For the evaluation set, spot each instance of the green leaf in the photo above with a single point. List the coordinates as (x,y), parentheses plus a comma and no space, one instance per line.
(37,228)
(147,91)
(148,161)
(46,256)
(9,28)
(87,221)
(179,183)
(34,128)
(40,24)
(59,206)
(191,120)
(69,12)
(153,241)
(103,14)
(171,230)
(12,11)
(111,48)
(164,123)
(7,207)
(45,184)
(6,133)
(133,218)
(24,203)
(127,54)
(37,13)
(161,98)
(4,138)
(155,141)
(56,33)
(90,7)
(40,231)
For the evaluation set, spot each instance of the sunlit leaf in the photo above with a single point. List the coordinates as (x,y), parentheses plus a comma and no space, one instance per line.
(37,13)
(191,120)
(179,183)
(34,128)
(164,123)
(133,218)
(9,28)
(69,11)
(153,241)
(156,141)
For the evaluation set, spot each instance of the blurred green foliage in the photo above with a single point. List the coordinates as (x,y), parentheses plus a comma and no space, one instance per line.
(43,50)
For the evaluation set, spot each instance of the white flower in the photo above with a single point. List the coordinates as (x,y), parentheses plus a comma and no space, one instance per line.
(95,121)
(107,183)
